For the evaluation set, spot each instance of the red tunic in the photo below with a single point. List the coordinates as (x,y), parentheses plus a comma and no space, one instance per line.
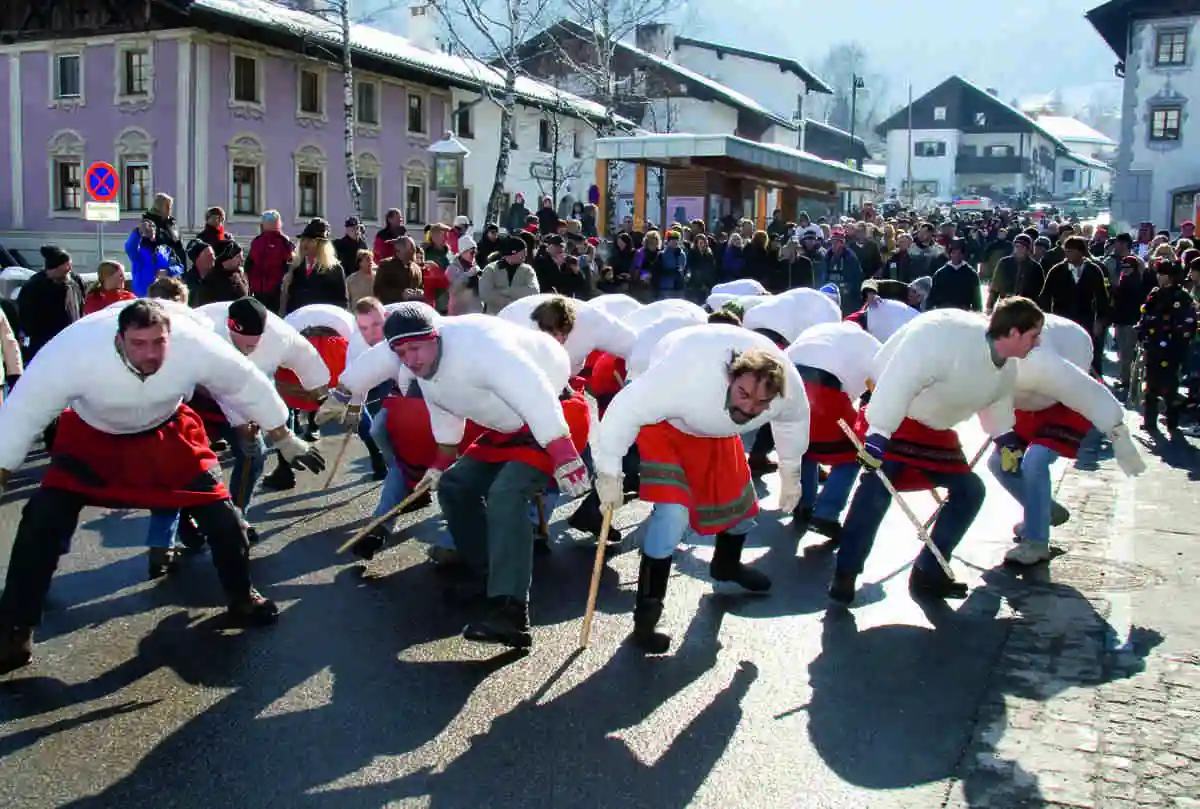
(166,467)
(608,376)
(497,447)
(411,434)
(827,444)
(708,475)
(332,349)
(1058,427)
(919,447)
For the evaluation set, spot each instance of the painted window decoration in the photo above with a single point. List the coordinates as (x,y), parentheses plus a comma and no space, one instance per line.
(136,73)
(939,113)
(245,79)
(1164,123)
(414,203)
(1170,48)
(68,76)
(68,185)
(245,190)
(416,114)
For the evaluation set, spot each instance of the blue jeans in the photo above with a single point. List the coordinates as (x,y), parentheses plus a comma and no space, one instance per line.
(164,523)
(829,504)
(377,429)
(1032,488)
(964,498)
(669,524)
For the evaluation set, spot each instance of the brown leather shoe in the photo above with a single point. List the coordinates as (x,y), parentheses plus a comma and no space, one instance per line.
(16,648)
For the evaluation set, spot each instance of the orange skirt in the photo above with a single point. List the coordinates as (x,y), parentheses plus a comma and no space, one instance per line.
(920,448)
(708,475)
(333,351)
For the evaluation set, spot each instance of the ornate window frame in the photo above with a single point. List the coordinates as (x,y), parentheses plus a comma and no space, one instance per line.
(309,157)
(134,145)
(410,93)
(1166,98)
(246,149)
(417,174)
(363,128)
(368,166)
(73,102)
(304,117)
(248,110)
(133,103)
(65,146)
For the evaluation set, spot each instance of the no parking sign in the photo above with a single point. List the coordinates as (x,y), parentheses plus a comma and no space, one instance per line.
(102,182)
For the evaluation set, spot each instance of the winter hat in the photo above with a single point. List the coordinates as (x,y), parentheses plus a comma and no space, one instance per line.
(833,292)
(317,228)
(465,243)
(247,316)
(54,256)
(410,321)
(922,286)
(511,245)
(461,221)
(1023,238)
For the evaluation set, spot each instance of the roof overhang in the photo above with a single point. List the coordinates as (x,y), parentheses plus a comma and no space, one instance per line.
(1088,162)
(766,163)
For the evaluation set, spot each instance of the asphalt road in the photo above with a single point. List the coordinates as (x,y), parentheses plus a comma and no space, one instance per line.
(365,696)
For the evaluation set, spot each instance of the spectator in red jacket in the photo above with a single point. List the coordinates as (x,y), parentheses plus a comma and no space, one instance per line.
(385,239)
(271,255)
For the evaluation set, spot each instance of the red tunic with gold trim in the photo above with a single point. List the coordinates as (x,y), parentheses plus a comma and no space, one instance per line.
(709,476)
(1057,427)
(333,350)
(166,467)
(919,448)
(493,446)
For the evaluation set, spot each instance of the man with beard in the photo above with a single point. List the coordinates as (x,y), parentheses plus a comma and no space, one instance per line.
(706,385)
(128,441)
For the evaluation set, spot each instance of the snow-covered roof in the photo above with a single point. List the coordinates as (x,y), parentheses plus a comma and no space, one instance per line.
(1072,129)
(400,50)
(1090,162)
(1036,124)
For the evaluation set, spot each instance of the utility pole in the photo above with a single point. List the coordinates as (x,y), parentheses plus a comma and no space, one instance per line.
(800,121)
(856,84)
(911,192)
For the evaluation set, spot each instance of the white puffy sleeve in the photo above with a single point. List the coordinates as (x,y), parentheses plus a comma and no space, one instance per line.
(447,427)
(999,417)
(1063,381)
(908,368)
(631,409)
(373,367)
(516,378)
(612,336)
(303,359)
(242,391)
(790,426)
(49,384)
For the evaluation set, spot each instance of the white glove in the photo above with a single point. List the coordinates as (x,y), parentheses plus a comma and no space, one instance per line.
(611,489)
(789,489)
(1126,452)
(430,479)
(300,454)
(333,408)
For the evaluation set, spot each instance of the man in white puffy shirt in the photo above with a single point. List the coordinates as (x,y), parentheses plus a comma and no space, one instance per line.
(835,361)
(938,371)
(1057,404)
(129,441)
(705,386)
(508,380)
(593,329)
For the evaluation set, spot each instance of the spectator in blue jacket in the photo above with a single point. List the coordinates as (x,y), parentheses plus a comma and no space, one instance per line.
(148,259)
(840,267)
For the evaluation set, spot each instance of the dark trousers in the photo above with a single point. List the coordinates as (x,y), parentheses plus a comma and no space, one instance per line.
(1098,342)
(44,534)
(964,498)
(764,441)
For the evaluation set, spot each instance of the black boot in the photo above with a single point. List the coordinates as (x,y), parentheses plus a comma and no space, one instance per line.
(801,516)
(379,468)
(652,591)
(16,648)
(190,535)
(588,519)
(371,544)
(841,589)
(827,528)
(312,432)
(1150,414)
(283,478)
(162,561)
(727,565)
(254,609)
(506,623)
(935,585)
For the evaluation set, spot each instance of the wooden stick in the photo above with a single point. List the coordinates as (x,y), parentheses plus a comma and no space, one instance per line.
(908,512)
(337,463)
(937,498)
(543,529)
(585,632)
(417,492)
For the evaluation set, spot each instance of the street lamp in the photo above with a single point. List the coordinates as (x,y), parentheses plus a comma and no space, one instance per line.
(856,84)
(449,155)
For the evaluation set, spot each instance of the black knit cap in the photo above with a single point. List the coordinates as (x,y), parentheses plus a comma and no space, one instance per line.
(410,321)
(511,245)
(247,316)
(54,256)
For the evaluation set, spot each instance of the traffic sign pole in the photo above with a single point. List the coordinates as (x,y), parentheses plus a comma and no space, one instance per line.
(103,183)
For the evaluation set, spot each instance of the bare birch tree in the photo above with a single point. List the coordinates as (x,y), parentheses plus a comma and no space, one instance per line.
(502,27)
(338,14)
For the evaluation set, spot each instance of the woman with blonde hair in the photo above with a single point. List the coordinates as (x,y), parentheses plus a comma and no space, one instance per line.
(11,366)
(316,276)
(108,288)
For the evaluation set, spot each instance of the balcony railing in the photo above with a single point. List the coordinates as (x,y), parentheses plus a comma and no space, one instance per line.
(971,164)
